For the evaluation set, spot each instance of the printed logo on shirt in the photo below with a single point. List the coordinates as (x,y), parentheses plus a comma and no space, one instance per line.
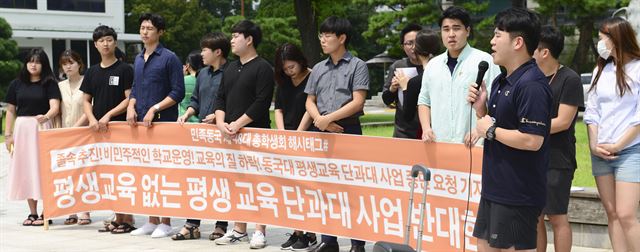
(536,123)
(114,80)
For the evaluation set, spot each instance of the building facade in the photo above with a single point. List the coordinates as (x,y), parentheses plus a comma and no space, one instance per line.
(57,25)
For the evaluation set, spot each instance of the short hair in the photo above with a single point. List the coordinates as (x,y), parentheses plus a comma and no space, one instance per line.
(69,55)
(427,43)
(40,56)
(338,26)
(552,39)
(249,29)
(156,20)
(287,52)
(407,29)
(519,22)
(216,40)
(104,31)
(455,12)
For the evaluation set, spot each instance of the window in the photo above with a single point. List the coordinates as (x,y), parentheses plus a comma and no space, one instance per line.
(76,5)
(19,4)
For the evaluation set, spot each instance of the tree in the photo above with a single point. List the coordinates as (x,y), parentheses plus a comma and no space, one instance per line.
(186,22)
(584,14)
(9,65)
(308,26)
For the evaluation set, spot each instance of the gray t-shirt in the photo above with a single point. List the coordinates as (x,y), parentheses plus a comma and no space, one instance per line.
(333,85)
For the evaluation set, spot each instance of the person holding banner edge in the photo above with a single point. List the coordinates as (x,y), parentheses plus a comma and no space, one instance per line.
(243,100)
(515,123)
(158,86)
(215,48)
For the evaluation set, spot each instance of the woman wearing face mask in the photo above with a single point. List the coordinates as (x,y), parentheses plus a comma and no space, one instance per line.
(33,99)
(71,114)
(612,116)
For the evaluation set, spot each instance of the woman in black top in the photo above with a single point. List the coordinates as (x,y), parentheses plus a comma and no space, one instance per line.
(291,75)
(33,99)
(427,46)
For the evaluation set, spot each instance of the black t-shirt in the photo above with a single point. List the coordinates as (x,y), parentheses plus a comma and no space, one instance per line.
(107,86)
(291,100)
(246,89)
(32,99)
(567,89)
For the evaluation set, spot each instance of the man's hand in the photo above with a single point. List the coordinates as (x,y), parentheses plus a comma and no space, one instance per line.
(132,116)
(477,97)
(322,122)
(103,123)
(428,135)
(483,125)
(210,118)
(471,138)
(335,128)
(148,118)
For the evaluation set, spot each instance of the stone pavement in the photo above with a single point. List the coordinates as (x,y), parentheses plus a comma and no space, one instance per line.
(14,237)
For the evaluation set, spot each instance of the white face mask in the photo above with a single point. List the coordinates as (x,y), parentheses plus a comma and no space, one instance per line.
(603,51)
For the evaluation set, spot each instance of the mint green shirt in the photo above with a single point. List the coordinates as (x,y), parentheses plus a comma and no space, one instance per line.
(446,93)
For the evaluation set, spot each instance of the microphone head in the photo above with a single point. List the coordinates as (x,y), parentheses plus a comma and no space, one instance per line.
(483,66)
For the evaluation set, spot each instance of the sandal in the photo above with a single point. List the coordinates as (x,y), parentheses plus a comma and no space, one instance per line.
(123,229)
(30,219)
(109,227)
(84,221)
(194,233)
(215,235)
(71,220)
(40,221)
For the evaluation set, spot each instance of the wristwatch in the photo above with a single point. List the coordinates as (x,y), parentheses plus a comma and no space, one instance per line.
(491,132)
(156,107)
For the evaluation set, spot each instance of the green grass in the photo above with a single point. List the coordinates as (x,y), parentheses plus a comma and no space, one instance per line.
(582,177)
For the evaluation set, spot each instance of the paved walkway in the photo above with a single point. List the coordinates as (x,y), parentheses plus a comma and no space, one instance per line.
(14,237)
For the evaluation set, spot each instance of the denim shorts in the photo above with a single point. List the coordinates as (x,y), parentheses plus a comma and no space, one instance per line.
(625,168)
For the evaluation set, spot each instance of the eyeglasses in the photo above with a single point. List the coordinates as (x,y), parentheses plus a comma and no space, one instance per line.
(325,35)
(409,43)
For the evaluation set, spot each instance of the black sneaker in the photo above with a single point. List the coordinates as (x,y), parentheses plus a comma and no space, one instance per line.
(324,247)
(312,239)
(302,244)
(293,238)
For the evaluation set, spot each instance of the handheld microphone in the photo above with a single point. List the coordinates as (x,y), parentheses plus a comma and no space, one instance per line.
(482,69)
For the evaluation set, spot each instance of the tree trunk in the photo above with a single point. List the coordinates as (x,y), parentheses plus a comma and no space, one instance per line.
(582,58)
(308,27)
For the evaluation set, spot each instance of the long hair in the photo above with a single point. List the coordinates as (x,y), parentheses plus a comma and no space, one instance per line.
(194,60)
(67,56)
(37,55)
(287,52)
(626,48)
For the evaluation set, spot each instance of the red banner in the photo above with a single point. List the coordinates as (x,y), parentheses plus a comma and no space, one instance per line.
(345,185)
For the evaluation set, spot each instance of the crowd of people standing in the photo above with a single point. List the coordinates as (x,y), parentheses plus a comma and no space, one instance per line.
(523,115)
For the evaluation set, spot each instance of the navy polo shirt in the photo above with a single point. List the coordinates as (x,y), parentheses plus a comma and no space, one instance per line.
(521,101)
(160,76)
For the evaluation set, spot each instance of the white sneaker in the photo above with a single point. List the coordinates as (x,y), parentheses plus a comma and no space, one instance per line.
(146,229)
(162,230)
(257,240)
(232,237)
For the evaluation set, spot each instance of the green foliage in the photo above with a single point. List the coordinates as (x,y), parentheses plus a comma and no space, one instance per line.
(186,22)
(385,26)
(9,65)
